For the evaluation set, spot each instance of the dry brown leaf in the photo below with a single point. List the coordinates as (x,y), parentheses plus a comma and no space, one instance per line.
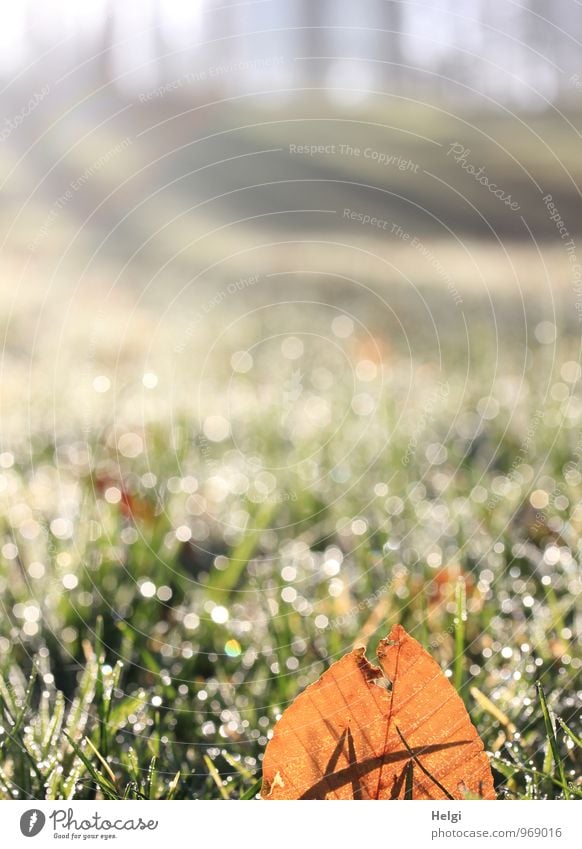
(345,737)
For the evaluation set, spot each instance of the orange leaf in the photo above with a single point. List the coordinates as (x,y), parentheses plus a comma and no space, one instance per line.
(345,737)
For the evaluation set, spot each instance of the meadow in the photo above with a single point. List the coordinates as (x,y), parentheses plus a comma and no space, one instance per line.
(195,523)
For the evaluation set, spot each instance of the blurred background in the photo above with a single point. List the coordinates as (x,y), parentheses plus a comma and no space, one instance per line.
(290,302)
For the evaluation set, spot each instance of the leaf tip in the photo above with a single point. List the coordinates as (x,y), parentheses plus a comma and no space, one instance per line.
(396,637)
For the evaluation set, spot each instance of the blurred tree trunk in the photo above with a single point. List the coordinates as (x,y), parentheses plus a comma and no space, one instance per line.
(105,42)
(164,62)
(314,15)
(390,22)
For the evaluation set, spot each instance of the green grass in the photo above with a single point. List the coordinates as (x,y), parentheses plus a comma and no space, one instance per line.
(136,663)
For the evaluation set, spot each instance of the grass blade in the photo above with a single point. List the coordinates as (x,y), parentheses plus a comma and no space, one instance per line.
(568,731)
(215,775)
(460,619)
(550,731)
(108,789)
(253,791)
